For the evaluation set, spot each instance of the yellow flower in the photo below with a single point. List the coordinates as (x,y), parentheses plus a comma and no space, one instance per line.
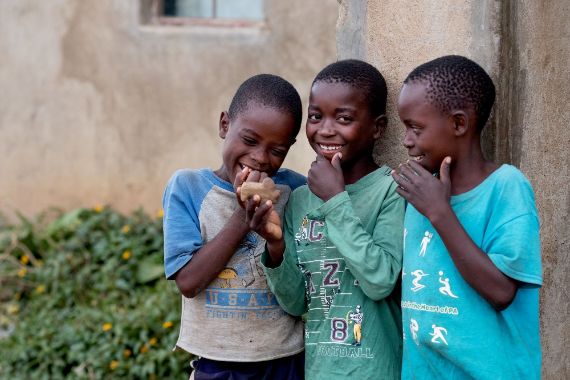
(22,272)
(160,213)
(144,349)
(127,353)
(126,255)
(40,289)
(152,341)
(114,364)
(24,259)
(126,228)
(13,308)
(98,208)
(107,326)
(167,324)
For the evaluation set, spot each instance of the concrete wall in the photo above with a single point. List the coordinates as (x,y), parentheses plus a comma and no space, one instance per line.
(525,45)
(536,137)
(97,108)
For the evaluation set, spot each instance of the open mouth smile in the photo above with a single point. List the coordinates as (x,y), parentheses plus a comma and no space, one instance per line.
(242,166)
(330,148)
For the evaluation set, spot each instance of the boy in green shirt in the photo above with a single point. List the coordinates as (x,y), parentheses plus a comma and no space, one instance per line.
(339,257)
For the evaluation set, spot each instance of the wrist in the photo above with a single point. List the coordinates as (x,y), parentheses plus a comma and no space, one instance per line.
(275,250)
(238,221)
(441,215)
(332,194)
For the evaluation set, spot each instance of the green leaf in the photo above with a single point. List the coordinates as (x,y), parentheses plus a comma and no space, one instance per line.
(148,271)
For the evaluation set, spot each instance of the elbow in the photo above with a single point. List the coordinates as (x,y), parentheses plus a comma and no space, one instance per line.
(502,300)
(189,293)
(188,290)
(378,292)
(500,305)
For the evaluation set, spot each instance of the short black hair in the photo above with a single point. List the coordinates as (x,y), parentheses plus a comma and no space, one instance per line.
(456,82)
(362,76)
(270,91)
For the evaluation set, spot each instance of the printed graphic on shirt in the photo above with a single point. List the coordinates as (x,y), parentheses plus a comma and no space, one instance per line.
(324,275)
(418,275)
(437,334)
(424,244)
(245,270)
(226,275)
(327,298)
(446,288)
(356,317)
(239,291)
(414,328)
(309,231)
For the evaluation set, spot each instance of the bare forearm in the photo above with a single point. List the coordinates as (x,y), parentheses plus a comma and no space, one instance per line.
(211,259)
(474,265)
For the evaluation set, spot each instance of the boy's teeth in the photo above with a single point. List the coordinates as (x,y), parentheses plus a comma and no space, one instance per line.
(330,147)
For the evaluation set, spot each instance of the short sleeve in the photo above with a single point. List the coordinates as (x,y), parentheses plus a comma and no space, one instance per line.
(514,248)
(181,225)
(512,238)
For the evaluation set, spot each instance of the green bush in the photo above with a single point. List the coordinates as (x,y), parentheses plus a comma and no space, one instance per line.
(83,296)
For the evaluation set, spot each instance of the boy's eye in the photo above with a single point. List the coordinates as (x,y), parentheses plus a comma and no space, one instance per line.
(279,153)
(248,141)
(344,119)
(314,116)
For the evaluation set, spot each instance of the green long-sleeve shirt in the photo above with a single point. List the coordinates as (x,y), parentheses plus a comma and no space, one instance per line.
(342,262)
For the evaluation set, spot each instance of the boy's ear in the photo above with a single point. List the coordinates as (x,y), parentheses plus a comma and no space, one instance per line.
(380,124)
(461,123)
(224,124)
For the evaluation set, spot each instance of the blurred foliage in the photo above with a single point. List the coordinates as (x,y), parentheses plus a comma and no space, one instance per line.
(83,296)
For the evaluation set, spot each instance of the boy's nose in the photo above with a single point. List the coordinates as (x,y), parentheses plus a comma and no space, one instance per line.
(408,143)
(261,156)
(327,128)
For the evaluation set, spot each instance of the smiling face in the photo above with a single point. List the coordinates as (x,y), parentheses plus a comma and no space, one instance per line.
(258,137)
(339,120)
(429,135)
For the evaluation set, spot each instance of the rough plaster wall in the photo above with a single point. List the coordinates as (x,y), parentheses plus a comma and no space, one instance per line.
(399,35)
(351,30)
(525,45)
(540,93)
(97,108)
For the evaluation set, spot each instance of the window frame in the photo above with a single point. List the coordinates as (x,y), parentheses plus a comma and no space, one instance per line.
(157,18)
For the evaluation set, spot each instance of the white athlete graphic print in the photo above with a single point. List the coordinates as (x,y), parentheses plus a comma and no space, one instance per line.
(446,288)
(424,243)
(437,334)
(418,274)
(414,328)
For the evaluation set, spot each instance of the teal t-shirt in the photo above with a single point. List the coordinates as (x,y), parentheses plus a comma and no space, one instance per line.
(450,331)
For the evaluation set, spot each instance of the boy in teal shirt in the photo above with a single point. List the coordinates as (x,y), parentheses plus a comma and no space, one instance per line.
(472,269)
(339,259)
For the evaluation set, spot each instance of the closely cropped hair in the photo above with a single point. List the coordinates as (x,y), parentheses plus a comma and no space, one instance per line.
(270,91)
(362,76)
(455,82)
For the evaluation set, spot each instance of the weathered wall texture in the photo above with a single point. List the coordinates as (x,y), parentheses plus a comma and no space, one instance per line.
(96,108)
(525,45)
(536,138)
(399,35)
